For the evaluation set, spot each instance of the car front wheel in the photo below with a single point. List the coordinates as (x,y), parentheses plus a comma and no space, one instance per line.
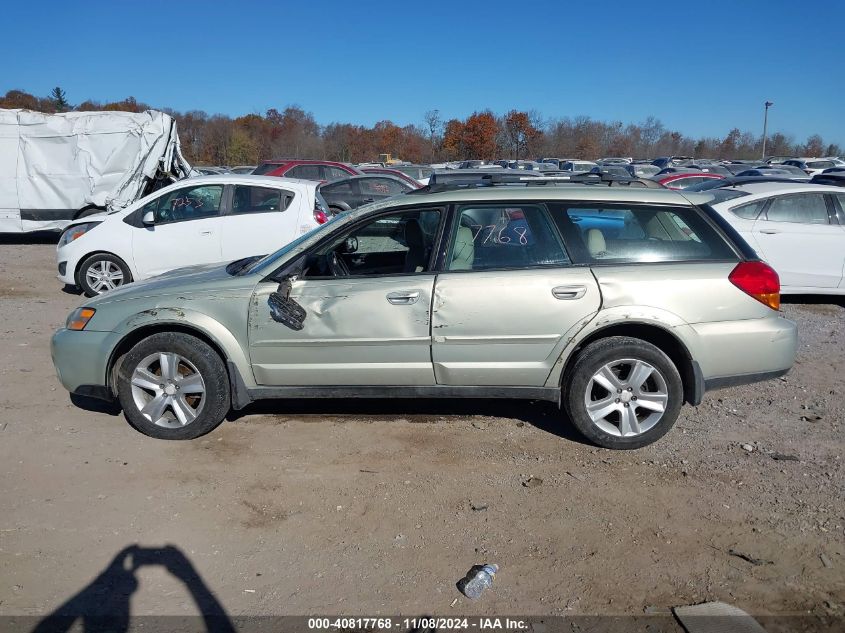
(102,272)
(173,386)
(623,393)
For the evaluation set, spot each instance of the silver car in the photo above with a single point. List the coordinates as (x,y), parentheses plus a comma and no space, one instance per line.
(619,304)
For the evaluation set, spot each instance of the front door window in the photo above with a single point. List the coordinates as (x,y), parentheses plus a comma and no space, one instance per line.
(401,243)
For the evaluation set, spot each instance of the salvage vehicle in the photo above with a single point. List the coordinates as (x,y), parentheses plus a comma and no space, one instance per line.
(798,228)
(203,220)
(55,168)
(350,193)
(620,304)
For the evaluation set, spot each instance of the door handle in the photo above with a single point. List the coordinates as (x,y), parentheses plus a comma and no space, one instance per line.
(569,292)
(206,232)
(769,231)
(403,298)
(368,200)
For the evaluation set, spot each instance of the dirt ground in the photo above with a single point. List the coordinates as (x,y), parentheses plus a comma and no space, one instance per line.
(379,507)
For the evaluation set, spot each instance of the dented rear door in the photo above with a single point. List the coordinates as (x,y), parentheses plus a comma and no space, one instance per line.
(507,327)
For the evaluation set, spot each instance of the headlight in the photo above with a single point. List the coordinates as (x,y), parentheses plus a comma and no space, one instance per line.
(79,318)
(74,232)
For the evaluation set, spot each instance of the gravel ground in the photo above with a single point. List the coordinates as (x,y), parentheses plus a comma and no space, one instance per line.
(379,507)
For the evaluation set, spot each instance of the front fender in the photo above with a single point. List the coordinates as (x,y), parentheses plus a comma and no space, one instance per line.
(220,334)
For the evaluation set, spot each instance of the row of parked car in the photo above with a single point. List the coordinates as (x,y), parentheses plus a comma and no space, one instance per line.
(226,216)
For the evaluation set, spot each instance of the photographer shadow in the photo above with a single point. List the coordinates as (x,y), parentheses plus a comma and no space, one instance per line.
(104,605)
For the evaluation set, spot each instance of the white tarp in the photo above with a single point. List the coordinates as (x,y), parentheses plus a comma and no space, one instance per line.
(54,165)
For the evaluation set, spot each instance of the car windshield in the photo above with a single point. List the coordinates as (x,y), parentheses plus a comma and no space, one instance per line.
(267,260)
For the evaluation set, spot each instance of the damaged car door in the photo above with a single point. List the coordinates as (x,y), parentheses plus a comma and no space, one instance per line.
(357,310)
(508,298)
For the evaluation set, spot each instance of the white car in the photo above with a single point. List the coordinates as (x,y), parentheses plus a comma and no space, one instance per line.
(811,166)
(205,220)
(799,229)
(577,165)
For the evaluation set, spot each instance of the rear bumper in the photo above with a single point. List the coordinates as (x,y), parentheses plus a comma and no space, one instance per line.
(741,352)
(743,379)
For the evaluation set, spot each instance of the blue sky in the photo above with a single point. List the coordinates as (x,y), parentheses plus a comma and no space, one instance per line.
(701,68)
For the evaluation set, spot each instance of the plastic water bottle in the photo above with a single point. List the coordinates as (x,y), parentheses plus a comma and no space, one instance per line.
(477,580)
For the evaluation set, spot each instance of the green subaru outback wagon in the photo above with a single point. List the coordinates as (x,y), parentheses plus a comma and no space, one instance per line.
(619,304)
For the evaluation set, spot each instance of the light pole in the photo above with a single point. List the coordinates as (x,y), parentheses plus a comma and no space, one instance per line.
(768,105)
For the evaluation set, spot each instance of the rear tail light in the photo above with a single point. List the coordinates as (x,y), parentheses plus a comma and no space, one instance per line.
(758,280)
(320,215)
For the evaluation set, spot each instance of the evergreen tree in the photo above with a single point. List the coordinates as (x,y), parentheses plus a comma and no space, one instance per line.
(59,99)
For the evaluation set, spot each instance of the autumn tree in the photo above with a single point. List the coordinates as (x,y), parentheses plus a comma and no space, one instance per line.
(293,132)
(453,140)
(479,135)
(518,131)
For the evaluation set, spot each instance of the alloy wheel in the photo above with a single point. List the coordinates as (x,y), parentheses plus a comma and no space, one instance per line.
(626,397)
(103,276)
(168,390)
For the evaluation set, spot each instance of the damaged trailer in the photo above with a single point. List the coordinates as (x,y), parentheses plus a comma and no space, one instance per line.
(55,168)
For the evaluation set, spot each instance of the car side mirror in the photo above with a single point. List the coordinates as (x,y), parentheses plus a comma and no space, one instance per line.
(148,219)
(283,309)
(350,245)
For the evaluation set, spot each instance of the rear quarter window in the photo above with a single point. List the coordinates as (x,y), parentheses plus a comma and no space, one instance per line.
(599,233)
(749,211)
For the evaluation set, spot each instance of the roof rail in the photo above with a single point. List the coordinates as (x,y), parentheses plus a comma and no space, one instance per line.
(498,179)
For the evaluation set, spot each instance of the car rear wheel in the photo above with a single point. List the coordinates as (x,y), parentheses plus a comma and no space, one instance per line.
(102,272)
(173,386)
(623,393)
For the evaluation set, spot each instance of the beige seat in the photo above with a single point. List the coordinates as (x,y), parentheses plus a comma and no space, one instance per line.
(464,255)
(596,245)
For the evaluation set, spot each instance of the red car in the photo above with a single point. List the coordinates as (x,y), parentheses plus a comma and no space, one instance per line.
(392,172)
(683,180)
(321,170)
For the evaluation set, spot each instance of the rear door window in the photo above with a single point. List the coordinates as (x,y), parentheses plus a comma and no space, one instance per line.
(620,233)
(333,173)
(803,208)
(306,172)
(381,187)
(259,199)
(490,237)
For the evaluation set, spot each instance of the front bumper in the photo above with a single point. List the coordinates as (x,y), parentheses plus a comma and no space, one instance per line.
(66,263)
(81,360)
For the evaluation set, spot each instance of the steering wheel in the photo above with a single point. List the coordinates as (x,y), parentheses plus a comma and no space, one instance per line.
(337,265)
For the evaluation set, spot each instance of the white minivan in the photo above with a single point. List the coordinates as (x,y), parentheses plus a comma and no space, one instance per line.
(205,220)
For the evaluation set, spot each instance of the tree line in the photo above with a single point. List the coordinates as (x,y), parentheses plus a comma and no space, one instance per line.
(292,132)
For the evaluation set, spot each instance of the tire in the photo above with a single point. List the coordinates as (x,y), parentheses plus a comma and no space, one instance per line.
(183,412)
(111,271)
(608,374)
